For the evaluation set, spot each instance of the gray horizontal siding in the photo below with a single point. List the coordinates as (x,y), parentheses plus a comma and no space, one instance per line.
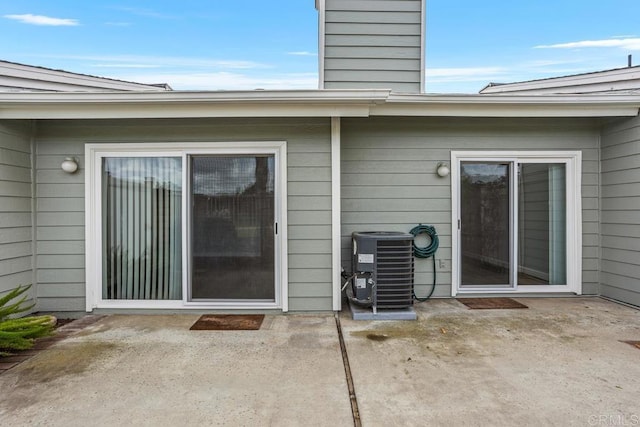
(374,5)
(385,42)
(60,201)
(373,44)
(389,181)
(378,26)
(620,211)
(16,223)
(367,16)
(384,65)
(374,76)
(397,87)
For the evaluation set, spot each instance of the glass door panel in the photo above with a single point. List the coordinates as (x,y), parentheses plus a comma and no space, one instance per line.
(542,224)
(142,228)
(485,224)
(232,227)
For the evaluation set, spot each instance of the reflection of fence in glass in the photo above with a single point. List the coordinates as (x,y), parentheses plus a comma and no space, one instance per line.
(233,205)
(228,175)
(233,225)
(485,223)
(142,228)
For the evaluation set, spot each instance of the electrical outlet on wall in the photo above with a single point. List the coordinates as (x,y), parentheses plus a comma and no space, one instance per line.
(442,263)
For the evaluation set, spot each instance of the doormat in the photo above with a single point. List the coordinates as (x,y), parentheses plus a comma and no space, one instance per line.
(228,322)
(636,344)
(490,303)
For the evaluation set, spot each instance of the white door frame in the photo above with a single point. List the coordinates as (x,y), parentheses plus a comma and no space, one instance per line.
(94,153)
(573,162)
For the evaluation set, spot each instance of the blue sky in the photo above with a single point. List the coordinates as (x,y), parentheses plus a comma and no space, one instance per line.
(248,44)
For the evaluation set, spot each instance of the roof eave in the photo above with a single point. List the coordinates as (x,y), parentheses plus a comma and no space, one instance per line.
(174,104)
(510,106)
(43,77)
(612,77)
(312,103)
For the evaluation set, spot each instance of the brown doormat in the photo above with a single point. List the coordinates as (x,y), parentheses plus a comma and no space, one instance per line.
(490,303)
(228,322)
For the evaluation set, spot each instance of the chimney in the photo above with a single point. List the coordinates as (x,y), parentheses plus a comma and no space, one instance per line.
(372,44)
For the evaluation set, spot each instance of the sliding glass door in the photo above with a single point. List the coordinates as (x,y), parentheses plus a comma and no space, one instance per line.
(517,217)
(177,225)
(232,227)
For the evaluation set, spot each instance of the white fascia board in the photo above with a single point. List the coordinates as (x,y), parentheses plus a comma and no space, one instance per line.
(314,103)
(203,96)
(176,111)
(311,103)
(509,106)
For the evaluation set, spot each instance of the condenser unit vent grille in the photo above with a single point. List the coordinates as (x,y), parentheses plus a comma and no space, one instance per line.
(394,271)
(382,264)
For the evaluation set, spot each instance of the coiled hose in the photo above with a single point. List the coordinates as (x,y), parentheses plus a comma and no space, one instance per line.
(428,251)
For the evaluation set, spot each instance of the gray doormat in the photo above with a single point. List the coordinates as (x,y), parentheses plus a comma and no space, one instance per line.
(228,322)
(490,303)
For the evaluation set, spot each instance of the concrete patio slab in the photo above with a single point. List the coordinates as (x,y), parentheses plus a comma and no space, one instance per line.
(153,371)
(560,362)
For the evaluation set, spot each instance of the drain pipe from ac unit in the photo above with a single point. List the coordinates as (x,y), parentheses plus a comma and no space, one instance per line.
(349,291)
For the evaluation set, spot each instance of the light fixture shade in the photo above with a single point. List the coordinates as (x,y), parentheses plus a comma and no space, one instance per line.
(443,170)
(69,165)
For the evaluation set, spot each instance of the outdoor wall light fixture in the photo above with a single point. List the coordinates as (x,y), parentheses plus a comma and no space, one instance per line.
(69,165)
(442,170)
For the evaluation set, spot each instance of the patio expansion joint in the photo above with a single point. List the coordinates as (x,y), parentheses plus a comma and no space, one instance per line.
(357,422)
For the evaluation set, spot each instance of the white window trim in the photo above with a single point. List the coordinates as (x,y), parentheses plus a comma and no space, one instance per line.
(573,162)
(93,219)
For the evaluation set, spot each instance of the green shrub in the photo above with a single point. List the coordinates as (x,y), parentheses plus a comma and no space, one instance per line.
(20,333)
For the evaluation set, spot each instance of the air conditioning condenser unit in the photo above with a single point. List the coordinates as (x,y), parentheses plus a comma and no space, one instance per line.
(382,266)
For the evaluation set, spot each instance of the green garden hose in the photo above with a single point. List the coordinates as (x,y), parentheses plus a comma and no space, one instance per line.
(428,251)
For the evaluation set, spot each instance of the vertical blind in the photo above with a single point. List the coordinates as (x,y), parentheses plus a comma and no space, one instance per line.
(142,217)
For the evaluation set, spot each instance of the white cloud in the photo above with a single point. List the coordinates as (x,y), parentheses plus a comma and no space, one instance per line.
(544,63)
(148,13)
(188,73)
(472,79)
(237,64)
(126,65)
(43,20)
(302,53)
(225,80)
(623,43)
(464,74)
(166,62)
